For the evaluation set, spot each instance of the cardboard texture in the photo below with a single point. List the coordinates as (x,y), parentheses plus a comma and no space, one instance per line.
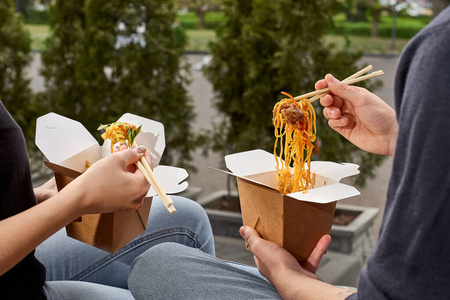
(70,150)
(294,221)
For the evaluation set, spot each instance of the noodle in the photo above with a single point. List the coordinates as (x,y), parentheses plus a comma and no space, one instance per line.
(295,131)
(120,132)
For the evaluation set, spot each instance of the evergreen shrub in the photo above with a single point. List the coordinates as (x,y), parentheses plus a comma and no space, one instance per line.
(15,57)
(106,58)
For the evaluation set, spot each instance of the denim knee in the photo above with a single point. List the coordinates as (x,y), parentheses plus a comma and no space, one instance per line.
(151,272)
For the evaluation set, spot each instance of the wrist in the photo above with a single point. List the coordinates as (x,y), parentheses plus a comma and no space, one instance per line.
(393,143)
(296,285)
(76,197)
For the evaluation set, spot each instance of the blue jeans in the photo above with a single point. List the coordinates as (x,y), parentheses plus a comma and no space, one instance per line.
(78,271)
(187,273)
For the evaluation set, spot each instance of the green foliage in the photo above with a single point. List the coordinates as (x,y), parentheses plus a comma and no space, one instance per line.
(212,20)
(266,47)
(106,58)
(407,27)
(15,92)
(34,16)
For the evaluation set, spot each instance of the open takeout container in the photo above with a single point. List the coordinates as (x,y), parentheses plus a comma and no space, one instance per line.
(294,221)
(70,149)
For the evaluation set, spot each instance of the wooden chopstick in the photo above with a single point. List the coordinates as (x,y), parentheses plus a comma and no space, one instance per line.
(347,81)
(357,74)
(144,167)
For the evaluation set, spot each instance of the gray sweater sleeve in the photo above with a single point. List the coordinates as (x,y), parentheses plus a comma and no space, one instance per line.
(411,259)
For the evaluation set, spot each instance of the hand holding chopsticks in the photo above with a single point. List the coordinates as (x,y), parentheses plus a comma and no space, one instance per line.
(144,167)
(349,80)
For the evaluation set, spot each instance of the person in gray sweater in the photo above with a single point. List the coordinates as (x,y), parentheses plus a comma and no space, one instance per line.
(411,258)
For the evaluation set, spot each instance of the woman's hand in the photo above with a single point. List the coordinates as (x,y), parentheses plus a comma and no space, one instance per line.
(293,280)
(111,184)
(46,191)
(360,116)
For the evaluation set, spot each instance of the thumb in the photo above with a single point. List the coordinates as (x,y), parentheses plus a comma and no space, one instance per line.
(250,235)
(344,91)
(130,156)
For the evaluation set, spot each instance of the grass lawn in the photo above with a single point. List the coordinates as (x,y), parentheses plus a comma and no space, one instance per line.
(198,41)
(38,35)
(369,45)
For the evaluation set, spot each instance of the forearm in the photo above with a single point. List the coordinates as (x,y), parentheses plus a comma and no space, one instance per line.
(297,286)
(22,233)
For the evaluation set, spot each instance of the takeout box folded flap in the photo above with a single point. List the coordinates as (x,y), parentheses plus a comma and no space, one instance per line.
(334,170)
(259,161)
(60,138)
(171,179)
(258,166)
(151,135)
(250,162)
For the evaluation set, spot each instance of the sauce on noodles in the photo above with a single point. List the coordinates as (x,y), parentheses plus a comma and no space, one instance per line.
(120,132)
(295,132)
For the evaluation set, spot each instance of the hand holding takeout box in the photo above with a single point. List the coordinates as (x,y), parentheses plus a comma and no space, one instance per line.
(70,149)
(294,221)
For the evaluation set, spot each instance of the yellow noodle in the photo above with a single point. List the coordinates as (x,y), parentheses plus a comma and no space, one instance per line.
(294,143)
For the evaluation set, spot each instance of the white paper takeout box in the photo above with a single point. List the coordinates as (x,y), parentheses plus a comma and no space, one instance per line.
(70,149)
(294,221)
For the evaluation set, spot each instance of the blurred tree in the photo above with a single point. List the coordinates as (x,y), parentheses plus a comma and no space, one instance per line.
(200,7)
(106,58)
(355,10)
(61,60)
(439,5)
(15,91)
(375,9)
(266,47)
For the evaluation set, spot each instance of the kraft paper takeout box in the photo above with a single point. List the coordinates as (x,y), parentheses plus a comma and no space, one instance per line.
(294,221)
(70,149)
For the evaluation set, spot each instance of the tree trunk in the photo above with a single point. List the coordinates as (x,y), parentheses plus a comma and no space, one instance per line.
(201,18)
(438,6)
(374,31)
(376,18)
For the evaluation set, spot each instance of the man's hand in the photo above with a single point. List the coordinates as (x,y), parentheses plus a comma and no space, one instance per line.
(272,259)
(360,116)
(293,280)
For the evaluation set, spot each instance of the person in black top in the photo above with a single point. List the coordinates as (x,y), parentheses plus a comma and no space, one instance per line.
(24,280)
(35,218)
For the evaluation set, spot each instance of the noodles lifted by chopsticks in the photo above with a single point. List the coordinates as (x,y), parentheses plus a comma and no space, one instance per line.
(295,131)
(119,132)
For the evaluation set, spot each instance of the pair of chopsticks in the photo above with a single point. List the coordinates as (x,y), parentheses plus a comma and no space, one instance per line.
(349,80)
(150,176)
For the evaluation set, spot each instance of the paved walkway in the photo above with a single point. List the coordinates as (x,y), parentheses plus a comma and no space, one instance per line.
(210,181)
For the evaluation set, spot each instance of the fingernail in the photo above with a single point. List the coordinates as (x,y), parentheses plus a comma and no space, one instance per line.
(330,78)
(242,231)
(142,149)
(116,147)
